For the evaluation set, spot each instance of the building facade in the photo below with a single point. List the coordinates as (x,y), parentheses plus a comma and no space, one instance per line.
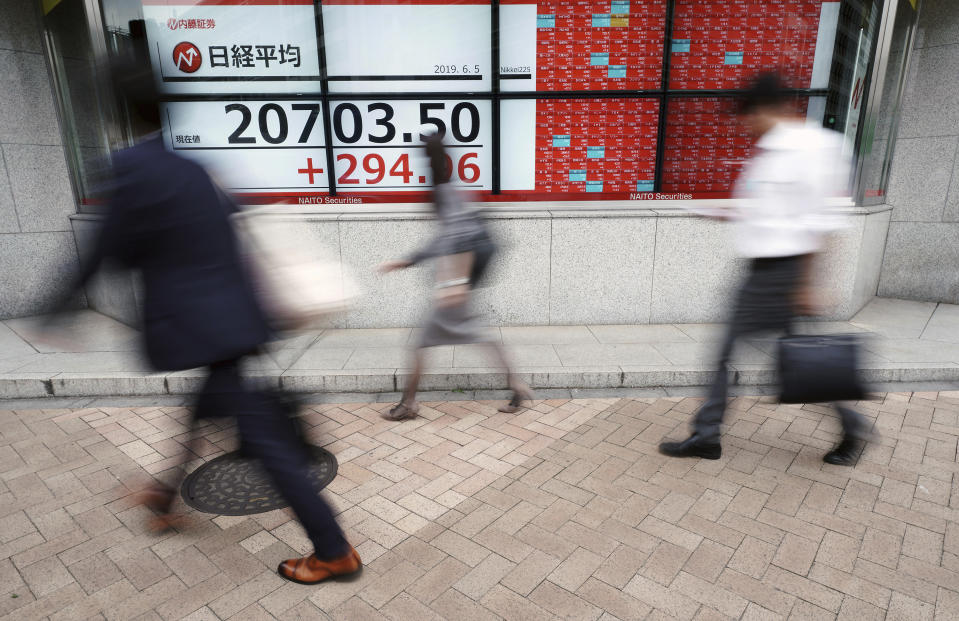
(603,130)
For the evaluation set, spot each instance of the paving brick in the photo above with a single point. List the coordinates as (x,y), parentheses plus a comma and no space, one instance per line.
(484,576)
(567,503)
(243,595)
(748,502)
(857,610)
(947,605)
(562,603)
(452,604)
(665,563)
(668,532)
(97,521)
(460,548)
(330,594)
(191,566)
(897,581)
(387,585)
(822,497)
(881,547)
(753,557)
(708,560)
(711,504)
(512,607)
(95,573)
(613,600)
(751,527)
(503,544)
(146,600)
(905,608)
(723,600)
(805,611)
(850,584)
(46,576)
(755,612)
(859,495)
(757,592)
(838,551)
(795,554)
(711,530)
(438,580)
(288,597)
(803,588)
(420,553)
(530,572)
(356,608)
(143,569)
(673,602)
(382,533)
(621,566)
(922,544)
(404,607)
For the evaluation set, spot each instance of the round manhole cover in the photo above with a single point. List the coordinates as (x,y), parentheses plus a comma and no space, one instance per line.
(233,485)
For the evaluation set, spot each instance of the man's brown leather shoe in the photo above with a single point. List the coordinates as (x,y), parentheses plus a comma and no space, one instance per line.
(311,570)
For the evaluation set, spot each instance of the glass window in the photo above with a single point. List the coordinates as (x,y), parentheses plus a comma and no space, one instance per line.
(581,45)
(879,130)
(297,101)
(83,118)
(587,148)
(719,45)
(706,146)
(407,46)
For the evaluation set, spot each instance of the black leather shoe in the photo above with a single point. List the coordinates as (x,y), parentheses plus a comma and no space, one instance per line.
(846,453)
(693,446)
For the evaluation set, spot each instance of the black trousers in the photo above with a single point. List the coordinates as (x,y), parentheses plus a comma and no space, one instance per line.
(764,303)
(268,434)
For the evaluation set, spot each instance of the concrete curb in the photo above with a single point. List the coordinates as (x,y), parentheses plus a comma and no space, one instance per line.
(376,381)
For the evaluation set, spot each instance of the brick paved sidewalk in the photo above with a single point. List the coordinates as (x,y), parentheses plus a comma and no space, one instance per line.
(563,511)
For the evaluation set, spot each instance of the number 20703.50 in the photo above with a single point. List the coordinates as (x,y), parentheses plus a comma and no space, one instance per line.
(347,122)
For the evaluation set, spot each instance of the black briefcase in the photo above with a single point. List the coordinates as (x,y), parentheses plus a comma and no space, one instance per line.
(818,369)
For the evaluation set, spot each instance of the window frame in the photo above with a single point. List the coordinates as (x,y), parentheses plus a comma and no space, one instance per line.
(118,135)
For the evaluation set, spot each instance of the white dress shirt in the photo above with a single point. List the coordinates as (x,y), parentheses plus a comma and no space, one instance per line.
(782,192)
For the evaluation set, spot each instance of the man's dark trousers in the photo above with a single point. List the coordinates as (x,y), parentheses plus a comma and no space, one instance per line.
(764,303)
(268,434)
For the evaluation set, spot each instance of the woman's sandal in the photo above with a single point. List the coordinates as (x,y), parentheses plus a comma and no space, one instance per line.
(516,403)
(402,411)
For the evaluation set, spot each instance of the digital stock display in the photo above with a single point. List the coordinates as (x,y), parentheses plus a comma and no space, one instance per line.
(299,101)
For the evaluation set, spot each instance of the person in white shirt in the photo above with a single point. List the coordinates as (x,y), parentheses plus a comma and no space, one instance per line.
(780,222)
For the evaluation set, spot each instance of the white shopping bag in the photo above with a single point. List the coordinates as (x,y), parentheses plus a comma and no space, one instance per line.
(298,283)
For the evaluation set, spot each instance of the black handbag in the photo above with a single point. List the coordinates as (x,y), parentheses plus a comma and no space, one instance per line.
(818,369)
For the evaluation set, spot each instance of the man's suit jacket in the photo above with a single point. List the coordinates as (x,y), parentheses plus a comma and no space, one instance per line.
(169,221)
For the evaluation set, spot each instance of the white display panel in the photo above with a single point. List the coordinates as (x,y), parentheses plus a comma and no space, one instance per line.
(518,144)
(407,47)
(378,144)
(252,146)
(517,47)
(233,46)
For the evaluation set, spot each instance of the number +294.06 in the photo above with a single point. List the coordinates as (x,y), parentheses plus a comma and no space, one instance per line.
(466,169)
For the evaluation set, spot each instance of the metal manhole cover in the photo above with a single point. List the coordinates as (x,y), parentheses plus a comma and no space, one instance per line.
(233,485)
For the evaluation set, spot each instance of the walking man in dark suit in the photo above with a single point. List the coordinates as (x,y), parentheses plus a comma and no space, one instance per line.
(168,221)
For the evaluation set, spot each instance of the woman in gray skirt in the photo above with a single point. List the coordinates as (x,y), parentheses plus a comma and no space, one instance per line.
(463,248)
